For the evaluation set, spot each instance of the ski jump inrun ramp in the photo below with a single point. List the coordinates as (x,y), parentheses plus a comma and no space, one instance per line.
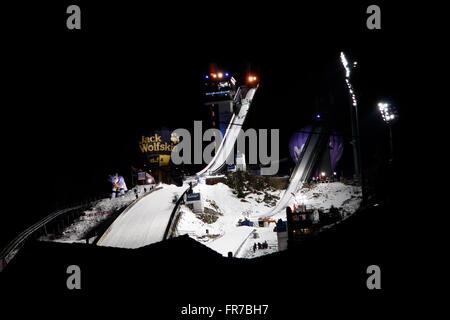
(231,134)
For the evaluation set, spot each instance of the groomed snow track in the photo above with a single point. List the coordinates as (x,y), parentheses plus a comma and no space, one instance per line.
(146,221)
(303,170)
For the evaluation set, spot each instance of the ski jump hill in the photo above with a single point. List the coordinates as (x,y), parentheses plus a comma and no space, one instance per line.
(147,220)
(303,170)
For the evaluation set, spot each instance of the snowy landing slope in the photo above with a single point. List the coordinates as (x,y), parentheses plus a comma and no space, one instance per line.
(145,222)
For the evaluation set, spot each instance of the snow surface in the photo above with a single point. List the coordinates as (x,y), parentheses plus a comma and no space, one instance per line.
(100,211)
(324,195)
(296,181)
(145,222)
(231,241)
(263,234)
(225,235)
(230,207)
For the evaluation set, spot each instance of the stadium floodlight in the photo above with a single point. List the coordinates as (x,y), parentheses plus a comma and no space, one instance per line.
(389,115)
(347,78)
(354,123)
(345,64)
(388,112)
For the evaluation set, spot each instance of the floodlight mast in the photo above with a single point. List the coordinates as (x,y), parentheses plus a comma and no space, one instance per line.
(389,115)
(355,142)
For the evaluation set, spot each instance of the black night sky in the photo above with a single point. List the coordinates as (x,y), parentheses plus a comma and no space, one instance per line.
(77,101)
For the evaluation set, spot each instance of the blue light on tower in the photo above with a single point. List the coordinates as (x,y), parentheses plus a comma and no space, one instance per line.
(206,77)
(226,74)
(318,116)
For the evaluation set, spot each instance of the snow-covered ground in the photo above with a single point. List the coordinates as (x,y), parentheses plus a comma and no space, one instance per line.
(324,195)
(217,227)
(144,222)
(262,234)
(224,234)
(100,211)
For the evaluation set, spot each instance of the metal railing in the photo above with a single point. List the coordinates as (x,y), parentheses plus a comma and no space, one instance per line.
(172,220)
(8,252)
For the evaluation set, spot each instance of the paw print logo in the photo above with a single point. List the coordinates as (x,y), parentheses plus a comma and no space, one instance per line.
(174,138)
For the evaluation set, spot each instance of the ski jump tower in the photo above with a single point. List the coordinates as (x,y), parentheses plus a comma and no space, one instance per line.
(229,108)
(220,90)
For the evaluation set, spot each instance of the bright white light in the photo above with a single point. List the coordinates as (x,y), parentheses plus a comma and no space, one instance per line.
(345,64)
(220,74)
(347,75)
(323,174)
(387,112)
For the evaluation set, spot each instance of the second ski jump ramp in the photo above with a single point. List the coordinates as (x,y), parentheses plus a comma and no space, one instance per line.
(145,222)
(303,169)
(229,139)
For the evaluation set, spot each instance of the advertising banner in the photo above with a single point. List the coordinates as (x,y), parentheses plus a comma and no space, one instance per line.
(157,146)
(141,176)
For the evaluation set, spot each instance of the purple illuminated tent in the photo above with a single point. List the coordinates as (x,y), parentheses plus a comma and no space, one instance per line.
(336,149)
(298,140)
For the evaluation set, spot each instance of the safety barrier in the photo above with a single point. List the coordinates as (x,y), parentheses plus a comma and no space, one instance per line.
(173,220)
(8,252)
(242,244)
